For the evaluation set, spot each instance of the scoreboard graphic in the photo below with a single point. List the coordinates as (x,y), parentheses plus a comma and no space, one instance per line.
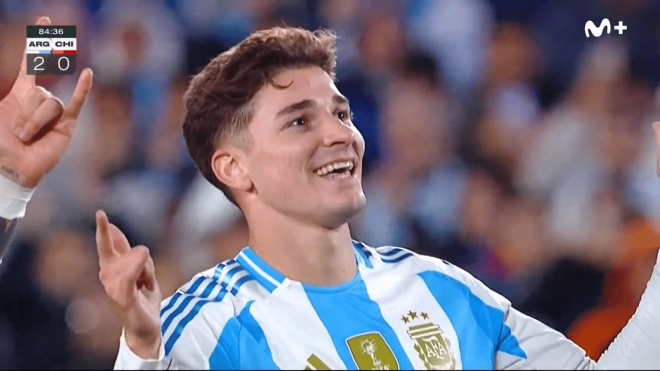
(51,50)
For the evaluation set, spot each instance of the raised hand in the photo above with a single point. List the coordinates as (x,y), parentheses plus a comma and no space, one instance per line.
(129,279)
(36,127)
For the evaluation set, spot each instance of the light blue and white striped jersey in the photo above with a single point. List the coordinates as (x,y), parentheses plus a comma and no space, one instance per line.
(401,311)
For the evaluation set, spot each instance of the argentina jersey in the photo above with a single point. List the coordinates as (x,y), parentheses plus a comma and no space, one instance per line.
(400,311)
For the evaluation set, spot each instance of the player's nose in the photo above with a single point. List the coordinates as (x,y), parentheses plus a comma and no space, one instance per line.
(337,132)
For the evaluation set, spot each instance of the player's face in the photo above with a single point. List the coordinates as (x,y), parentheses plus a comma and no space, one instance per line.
(306,156)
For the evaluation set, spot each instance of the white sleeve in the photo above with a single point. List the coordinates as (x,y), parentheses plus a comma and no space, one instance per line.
(638,344)
(13,199)
(127,360)
(542,347)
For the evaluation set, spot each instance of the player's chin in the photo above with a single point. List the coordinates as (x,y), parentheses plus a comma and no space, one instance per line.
(342,209)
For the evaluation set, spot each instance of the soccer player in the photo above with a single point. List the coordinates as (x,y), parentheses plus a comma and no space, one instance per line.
(265,124)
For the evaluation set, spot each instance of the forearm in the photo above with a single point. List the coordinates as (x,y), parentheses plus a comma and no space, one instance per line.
(638,344)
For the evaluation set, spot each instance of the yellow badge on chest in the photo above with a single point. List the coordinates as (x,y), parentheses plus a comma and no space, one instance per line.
(370,351)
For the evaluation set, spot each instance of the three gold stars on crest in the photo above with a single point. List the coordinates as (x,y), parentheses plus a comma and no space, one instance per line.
(413,315)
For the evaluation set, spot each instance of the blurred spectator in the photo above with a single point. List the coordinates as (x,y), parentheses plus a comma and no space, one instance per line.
(502,234)
(204,211)
(418,183)
(457,31)
(511,107)
(585,155)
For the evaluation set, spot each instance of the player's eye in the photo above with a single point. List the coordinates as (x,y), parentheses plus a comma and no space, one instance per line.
(300,121)
(344,115)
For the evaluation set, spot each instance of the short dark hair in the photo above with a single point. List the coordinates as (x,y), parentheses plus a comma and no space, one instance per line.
(218,102)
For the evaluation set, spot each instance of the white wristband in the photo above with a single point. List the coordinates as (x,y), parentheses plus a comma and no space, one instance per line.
(13,199)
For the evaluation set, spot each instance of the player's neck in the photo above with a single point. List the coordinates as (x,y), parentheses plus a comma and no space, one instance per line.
(302,252)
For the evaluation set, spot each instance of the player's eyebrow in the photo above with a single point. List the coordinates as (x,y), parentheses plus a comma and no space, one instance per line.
(339,99)
(308,103)
(303,104)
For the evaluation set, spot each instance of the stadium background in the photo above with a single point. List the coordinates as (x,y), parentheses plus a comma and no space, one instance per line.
(498,137)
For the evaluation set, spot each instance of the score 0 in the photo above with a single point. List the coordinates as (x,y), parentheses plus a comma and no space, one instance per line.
(51,50)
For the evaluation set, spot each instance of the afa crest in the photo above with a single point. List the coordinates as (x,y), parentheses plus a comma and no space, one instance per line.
(432,346)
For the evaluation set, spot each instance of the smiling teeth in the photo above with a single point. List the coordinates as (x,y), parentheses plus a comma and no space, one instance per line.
(334,166)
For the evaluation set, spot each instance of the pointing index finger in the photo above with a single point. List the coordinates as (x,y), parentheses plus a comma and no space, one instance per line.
(104,244)
(75,106)
(120,243)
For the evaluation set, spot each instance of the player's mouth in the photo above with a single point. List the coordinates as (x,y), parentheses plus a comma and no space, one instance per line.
(336,170)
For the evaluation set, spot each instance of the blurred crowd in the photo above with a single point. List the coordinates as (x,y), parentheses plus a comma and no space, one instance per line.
(498,136)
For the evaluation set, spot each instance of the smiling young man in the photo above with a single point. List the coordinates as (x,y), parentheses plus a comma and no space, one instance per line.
(266,124)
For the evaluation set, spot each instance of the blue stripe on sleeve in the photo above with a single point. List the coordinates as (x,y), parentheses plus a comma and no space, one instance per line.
(189,296)
(184,304)
(393,254)
(399,258)
(190,290)
(169,344)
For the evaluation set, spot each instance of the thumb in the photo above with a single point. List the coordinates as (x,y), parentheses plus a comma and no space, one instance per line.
(134,264)
(148,276)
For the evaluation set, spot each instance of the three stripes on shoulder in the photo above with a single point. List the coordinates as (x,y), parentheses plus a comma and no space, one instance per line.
(228,277)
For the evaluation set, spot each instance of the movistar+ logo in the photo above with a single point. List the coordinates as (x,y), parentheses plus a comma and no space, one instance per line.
(590,27)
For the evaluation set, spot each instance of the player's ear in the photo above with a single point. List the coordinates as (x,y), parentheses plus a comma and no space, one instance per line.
(229,166)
